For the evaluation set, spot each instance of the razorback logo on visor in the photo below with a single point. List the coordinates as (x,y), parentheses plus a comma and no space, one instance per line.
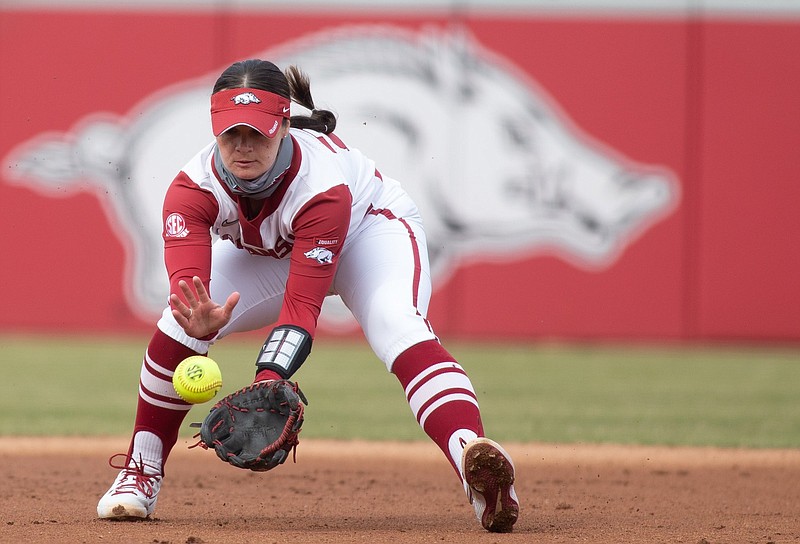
(321,254)
(246,98)
(175,226)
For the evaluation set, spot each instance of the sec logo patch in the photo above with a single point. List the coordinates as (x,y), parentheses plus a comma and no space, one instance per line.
(175,226)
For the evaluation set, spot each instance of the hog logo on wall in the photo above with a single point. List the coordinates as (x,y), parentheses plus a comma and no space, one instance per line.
(498,171)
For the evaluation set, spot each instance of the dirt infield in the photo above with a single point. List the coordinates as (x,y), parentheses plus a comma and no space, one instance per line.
(406,493)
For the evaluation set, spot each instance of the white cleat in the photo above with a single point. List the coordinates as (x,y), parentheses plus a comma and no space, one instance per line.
(133,494)
(489,482)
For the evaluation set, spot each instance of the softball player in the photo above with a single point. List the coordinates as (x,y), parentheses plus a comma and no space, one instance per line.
(271,217)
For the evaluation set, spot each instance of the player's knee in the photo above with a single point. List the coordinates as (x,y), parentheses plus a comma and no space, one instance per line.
(390,331)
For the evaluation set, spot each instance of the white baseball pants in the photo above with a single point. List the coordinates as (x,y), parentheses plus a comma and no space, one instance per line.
(383,277)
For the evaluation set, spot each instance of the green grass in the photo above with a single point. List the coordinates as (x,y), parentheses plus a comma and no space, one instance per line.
(724,396)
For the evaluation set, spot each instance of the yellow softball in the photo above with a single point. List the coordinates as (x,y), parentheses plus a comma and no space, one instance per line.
(197,379)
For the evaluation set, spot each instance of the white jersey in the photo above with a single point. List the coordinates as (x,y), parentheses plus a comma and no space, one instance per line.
(328,193)
(321,163)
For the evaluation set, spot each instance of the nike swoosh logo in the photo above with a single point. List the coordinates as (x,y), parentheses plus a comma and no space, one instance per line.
(285,110)
(228,223)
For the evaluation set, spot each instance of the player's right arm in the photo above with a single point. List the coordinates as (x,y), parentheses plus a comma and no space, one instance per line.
(189,213)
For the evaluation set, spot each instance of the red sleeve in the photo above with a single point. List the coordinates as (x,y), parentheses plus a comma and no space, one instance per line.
(320,229)
(189,213)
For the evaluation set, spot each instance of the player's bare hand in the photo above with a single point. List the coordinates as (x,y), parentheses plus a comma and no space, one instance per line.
(199,315)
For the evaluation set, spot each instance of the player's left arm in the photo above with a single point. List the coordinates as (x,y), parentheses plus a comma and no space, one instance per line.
(320,228)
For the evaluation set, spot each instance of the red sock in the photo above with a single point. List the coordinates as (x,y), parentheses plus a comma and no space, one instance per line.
(160,410)
(441,397)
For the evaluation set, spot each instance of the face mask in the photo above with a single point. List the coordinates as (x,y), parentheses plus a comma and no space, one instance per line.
(265,184)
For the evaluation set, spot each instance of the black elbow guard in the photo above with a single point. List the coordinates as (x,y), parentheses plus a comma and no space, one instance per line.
(284,351)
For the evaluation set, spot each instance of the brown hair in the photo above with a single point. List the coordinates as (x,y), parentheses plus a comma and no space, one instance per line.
(293,84)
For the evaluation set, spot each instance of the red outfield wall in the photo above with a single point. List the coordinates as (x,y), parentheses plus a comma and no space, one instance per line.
(712,104)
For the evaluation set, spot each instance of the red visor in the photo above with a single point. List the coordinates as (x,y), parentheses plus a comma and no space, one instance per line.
(262,110)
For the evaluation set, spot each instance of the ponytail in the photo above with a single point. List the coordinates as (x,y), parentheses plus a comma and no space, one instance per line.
(320,120)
